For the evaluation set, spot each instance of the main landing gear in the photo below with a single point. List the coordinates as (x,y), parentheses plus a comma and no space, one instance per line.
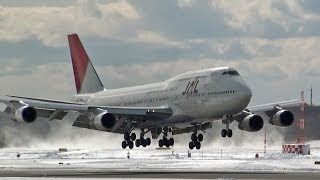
(195,141)
(226,132)
(165,141)
(128,140)
(142,141)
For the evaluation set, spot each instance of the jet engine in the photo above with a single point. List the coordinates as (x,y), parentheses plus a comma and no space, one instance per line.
(251,123)
(104,121)
(25,114)
(282,118)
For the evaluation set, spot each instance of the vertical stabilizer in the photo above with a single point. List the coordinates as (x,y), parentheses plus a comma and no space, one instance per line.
(85,76)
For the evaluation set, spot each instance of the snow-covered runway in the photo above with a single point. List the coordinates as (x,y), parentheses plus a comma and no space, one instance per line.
(51,162)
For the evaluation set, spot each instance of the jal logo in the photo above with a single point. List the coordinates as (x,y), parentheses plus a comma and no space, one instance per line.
(191,87)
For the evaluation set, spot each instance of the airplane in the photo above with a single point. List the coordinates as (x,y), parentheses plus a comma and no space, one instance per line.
(186,103)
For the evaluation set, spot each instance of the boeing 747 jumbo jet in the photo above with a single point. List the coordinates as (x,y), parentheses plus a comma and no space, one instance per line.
(186,103)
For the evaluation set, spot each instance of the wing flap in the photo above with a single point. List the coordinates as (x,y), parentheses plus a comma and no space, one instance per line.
(82,122)
(189,129)
(58,114)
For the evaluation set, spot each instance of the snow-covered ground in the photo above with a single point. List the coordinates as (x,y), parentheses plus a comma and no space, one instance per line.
(144,159)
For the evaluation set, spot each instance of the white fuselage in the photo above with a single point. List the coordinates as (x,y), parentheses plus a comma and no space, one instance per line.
(204,94)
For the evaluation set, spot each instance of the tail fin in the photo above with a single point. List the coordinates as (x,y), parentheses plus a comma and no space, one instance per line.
(85,76)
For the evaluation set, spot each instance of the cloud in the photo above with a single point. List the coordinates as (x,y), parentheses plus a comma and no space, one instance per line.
(51,81)
(185,3)
(276,61)
(263,17)
(51,24)
(155,38)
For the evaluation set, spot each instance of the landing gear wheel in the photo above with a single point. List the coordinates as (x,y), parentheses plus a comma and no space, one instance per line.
(130,144)
(200,137)
(165,141)
(148,141)
(171,140)
(161,143)
(133,136)
(138,143)
(191,145)
(194,137)
(142,140)
(223,132)
(198,145)
(167,145)
(229,134)
(124,144)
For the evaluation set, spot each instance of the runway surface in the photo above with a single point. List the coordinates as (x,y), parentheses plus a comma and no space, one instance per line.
(72,174)
(150,163)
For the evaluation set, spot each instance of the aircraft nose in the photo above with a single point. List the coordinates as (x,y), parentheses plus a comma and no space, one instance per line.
(245,94)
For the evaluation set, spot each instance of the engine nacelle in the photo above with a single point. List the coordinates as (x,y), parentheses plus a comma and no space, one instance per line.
(25,114)
(282,118)
(251,123)
(104,121)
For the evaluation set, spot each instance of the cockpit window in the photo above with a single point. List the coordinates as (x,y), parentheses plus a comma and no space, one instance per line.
(232,73)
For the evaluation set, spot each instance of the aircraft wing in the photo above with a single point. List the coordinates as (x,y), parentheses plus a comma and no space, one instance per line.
(270,106)
(271,110)
(53,109)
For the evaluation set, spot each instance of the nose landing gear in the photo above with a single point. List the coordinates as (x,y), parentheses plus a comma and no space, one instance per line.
(226,132)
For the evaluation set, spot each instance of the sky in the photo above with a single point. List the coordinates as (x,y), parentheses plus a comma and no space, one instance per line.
(273,44)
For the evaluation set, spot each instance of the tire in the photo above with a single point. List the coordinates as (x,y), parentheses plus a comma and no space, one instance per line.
(124,144)
(142,141)
(126,136)
(138,142)
(194,137)
(161,143)
(148,141)
(144,144)
(198,145)
(133,137)
(168,143)
(200,137)
(229,133)
(171,141)
(191,145)
(165,141)
(130,144)
(223,132)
